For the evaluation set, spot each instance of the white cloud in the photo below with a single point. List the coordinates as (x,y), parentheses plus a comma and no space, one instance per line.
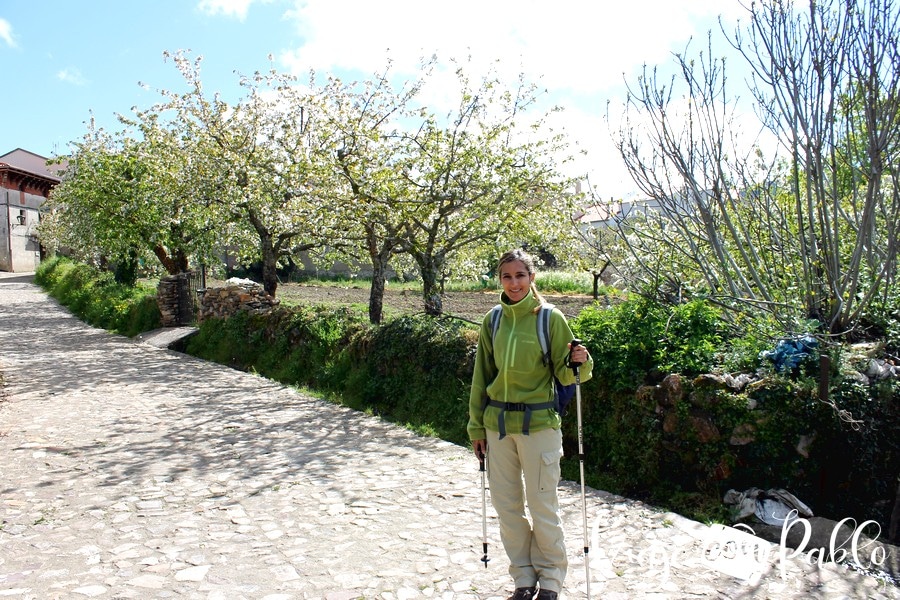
(229,8)
(578,50)
(72,75)
(575,45)
(6,33)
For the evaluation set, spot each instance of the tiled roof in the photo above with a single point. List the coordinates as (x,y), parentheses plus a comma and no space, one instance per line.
(31,163)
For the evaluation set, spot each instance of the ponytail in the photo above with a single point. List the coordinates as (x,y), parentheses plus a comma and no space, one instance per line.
(537,295)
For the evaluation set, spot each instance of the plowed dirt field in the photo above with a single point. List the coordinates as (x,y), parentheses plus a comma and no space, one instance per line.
(471,306)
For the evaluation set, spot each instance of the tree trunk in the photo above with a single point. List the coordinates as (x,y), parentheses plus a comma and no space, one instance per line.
(269,255)
(597,275)
(380,255)
(268,252)
(181,261)
(431,293)
(376,293)
(269,266)
(167,262)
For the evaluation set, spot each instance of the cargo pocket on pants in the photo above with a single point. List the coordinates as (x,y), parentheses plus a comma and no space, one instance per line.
(550,470)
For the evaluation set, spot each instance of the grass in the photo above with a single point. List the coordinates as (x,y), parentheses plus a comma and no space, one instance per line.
(551,282)
(565,282)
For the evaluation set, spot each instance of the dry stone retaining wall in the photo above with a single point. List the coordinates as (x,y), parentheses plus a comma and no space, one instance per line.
(237,295)
(169,297)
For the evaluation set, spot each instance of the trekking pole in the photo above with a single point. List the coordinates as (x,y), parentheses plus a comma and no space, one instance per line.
(484,544)
(587,566)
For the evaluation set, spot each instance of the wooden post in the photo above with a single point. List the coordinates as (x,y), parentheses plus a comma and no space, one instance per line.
(824,376)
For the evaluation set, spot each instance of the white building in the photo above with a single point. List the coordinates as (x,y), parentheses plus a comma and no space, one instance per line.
(25,183)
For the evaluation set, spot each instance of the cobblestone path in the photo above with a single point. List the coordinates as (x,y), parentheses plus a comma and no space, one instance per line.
(134,472)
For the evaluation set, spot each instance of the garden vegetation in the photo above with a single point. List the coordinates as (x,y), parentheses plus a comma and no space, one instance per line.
(651,361)
(736,250)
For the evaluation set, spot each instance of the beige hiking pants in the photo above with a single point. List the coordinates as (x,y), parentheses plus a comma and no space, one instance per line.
(536,550)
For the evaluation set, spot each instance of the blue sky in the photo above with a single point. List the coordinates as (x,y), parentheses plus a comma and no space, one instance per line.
(66,60)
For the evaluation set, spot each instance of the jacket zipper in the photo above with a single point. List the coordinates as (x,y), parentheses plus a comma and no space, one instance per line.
(510,356)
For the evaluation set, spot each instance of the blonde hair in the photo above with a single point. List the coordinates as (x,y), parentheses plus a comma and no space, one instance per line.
(520,255)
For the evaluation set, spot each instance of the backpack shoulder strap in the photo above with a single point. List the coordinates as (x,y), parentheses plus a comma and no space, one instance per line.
(543,330)
(496,313)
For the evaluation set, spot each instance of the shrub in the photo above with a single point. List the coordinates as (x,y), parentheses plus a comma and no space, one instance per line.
(297,345)
(93,296)
(413,369)
(417,370)
(631,342)
(882,321)
(740,349)
(690,338)
(640,336)
(838,454)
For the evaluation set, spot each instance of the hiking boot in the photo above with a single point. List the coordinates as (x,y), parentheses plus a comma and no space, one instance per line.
(546,595)
(526,593)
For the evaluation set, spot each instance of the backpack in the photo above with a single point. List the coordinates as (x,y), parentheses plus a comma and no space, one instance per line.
(562,394)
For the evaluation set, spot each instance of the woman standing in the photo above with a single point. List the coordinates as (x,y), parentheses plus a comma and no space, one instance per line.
(512,421)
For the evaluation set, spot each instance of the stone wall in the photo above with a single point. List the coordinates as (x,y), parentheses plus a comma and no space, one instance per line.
(167,297)
(237,295)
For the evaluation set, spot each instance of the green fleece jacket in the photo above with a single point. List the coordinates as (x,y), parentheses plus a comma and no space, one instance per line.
(510,369)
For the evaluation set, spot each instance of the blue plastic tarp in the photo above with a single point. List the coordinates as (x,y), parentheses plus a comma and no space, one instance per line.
(789,353)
